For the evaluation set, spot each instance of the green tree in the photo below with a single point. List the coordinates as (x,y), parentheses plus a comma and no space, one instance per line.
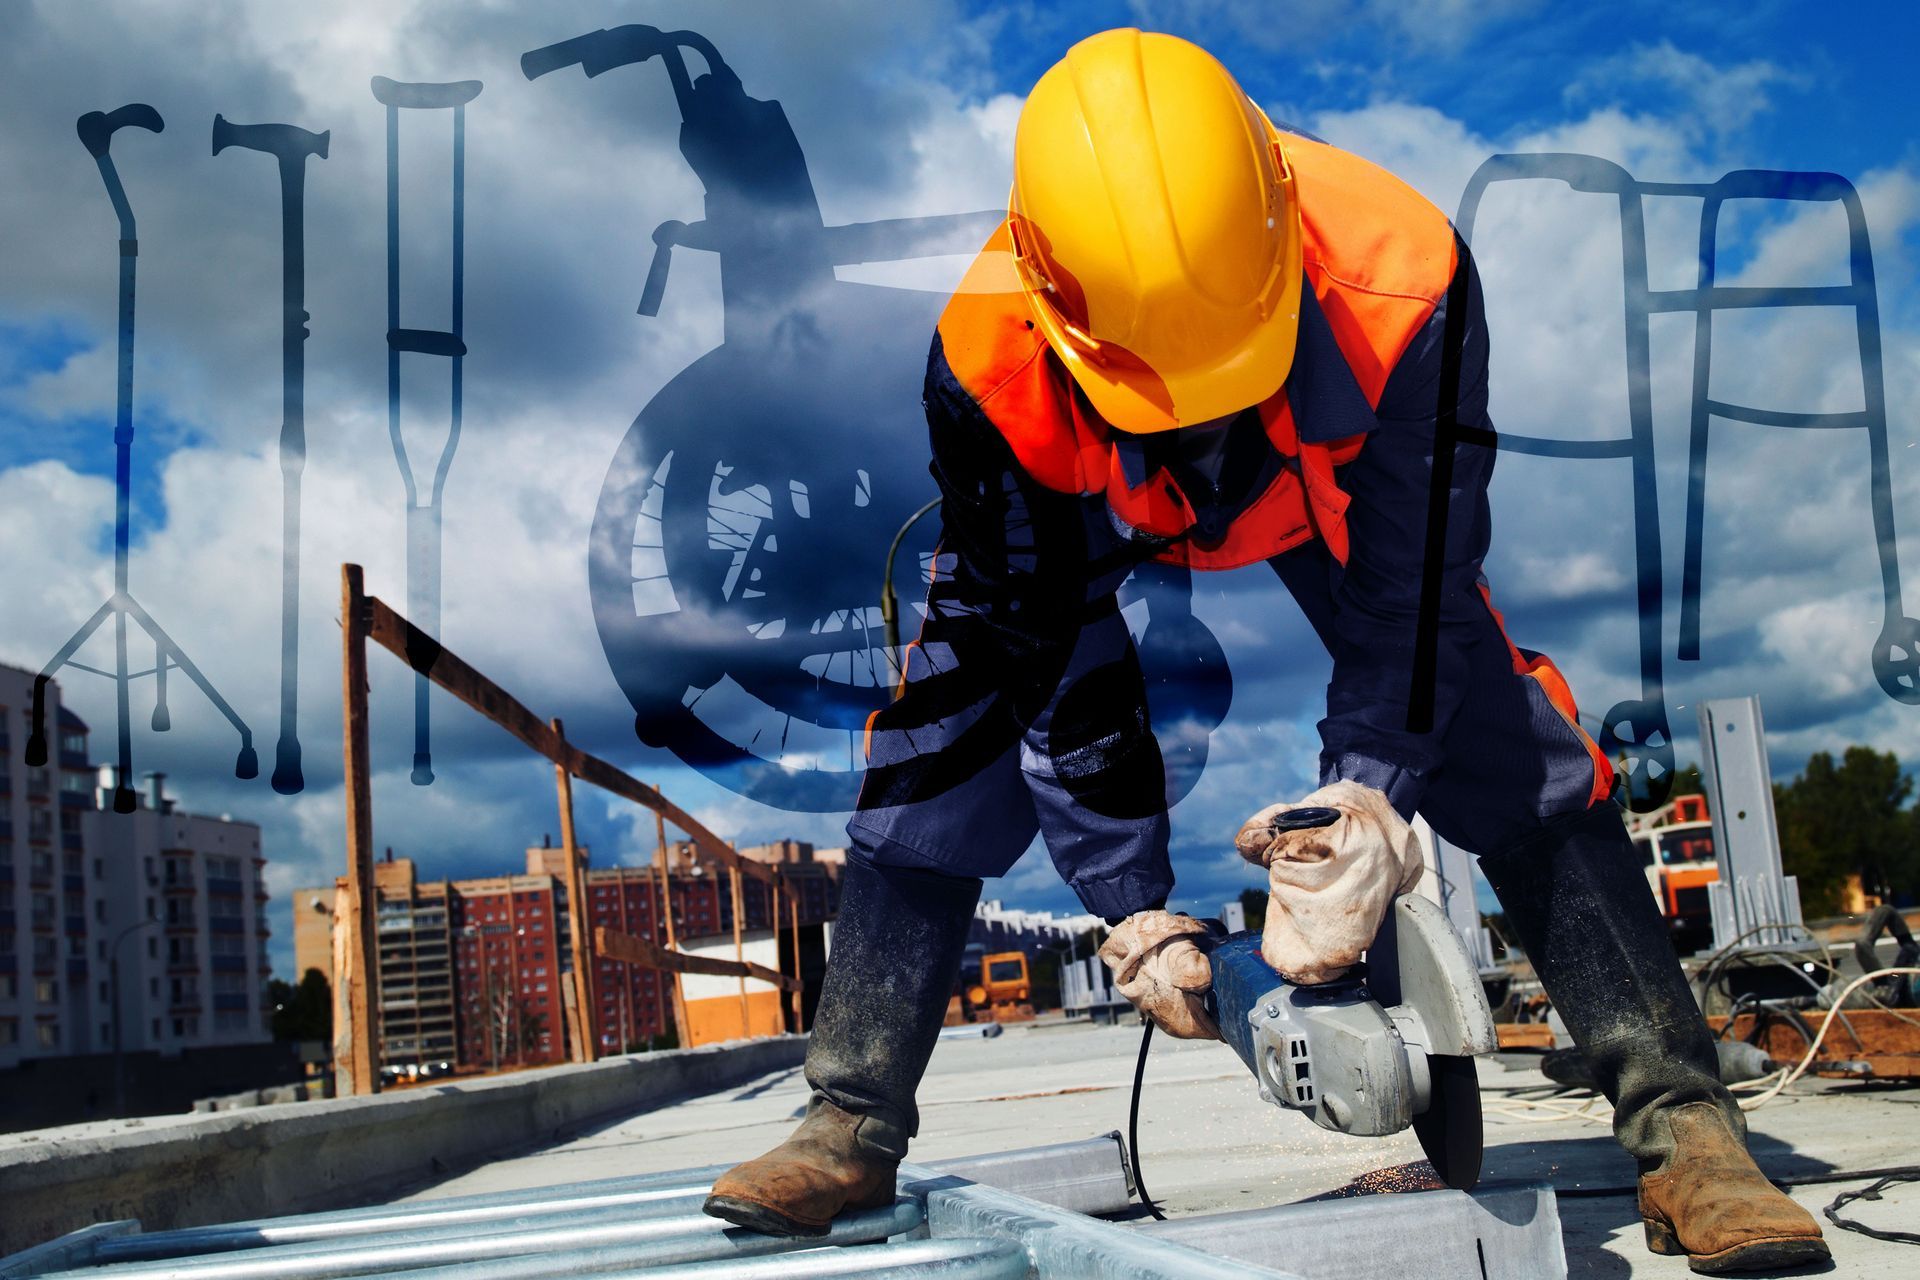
(303,1011)
(1847,819)
(1686,781)
(1254,903)
(533,1025)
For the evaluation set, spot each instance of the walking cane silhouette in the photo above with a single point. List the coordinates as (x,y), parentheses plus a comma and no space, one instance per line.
(96,131)
(423,519)
(291,146)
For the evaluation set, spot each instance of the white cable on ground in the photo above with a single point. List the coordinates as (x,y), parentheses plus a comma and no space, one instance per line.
(1527,1110)
(1748,1104)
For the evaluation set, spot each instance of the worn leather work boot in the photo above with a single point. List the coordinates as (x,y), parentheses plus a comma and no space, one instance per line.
(897,946)
(796,1188)
(1575,894)
(1712,1203)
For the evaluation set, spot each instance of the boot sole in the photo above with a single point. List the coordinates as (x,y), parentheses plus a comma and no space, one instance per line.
(765,1219)
(1769,1254)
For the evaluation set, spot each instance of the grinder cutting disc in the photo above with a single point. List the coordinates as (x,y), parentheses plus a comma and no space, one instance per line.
(1449,1129)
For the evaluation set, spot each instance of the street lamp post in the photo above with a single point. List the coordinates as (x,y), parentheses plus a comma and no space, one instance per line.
(113,985)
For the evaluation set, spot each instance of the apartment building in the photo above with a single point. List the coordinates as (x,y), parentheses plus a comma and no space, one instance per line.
(507,947)
(635,1003)
(186,922)
(472,971)
(164,906)
(53,976)
(414,943)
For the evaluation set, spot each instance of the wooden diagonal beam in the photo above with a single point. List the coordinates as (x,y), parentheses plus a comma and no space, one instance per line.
(445,668)
(636,950)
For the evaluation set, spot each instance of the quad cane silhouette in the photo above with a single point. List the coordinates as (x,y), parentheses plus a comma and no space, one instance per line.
(1637,730)
(290,146)
(423,518)
(96,131)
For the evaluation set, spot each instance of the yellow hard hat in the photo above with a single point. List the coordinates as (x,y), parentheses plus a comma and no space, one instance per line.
(1155,231)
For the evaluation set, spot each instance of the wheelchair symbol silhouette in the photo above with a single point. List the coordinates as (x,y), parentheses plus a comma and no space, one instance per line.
(742,526)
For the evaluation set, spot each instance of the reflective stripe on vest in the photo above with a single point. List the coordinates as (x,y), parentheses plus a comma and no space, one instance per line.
(1378,257)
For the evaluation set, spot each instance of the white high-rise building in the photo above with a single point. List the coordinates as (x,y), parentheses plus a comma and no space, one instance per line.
(195,977)
(54,989)
(167,907)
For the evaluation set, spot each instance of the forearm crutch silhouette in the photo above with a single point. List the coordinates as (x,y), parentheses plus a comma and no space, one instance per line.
(423,519)
(1896,651)
(96,131)
(290,146)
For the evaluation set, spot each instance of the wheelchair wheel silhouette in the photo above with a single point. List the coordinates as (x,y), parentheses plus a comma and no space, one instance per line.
(738,545)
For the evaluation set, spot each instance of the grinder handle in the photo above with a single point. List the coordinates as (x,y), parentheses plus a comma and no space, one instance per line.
(1303,819)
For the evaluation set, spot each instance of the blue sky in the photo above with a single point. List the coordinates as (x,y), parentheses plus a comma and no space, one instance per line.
(901,110)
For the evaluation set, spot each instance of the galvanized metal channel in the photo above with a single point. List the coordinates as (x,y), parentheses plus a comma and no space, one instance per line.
(1009,1216)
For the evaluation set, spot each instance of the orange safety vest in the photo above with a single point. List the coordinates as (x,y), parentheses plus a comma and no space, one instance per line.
(1378,258)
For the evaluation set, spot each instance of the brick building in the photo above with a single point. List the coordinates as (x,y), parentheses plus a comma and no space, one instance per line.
(635,1004)
(510,951)
(510,941)
(169,904)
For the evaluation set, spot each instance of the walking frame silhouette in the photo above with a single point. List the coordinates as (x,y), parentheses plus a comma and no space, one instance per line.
(1637,730)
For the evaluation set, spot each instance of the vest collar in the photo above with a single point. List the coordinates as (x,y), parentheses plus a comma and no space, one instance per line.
(1326,403)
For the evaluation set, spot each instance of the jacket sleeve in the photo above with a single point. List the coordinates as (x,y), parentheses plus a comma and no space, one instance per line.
(1365,737)
(1023,709)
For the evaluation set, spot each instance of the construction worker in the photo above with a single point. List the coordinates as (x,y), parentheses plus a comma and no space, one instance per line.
(1200,339)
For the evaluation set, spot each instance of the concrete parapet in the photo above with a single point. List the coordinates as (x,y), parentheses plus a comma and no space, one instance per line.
(299,1157)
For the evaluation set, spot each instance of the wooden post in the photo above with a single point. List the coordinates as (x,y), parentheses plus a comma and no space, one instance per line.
(739,947)
(793,919)
(680,1029)
(773,911)
(357,1062)
(587,1047)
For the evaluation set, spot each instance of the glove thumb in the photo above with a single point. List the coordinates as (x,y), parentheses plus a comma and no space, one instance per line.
(1186,966)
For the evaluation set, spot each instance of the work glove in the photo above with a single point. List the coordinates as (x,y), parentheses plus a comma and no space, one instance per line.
(1159,962)
(1329,888)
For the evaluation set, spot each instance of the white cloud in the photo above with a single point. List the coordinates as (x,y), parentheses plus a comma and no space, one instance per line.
(1717,99)
(567,177)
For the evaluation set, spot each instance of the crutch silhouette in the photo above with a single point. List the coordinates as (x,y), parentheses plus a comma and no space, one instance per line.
(290,146)
(1635,730)
(96,131)
(1896,651)
(423,520)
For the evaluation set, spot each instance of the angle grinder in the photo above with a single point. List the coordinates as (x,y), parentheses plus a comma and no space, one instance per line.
(1387,1046)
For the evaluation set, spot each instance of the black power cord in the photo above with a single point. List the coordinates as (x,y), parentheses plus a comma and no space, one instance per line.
(1133,1124)
(1910,1174)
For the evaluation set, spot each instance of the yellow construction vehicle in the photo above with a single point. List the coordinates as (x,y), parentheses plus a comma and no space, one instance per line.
(1676,846)
(992,988)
